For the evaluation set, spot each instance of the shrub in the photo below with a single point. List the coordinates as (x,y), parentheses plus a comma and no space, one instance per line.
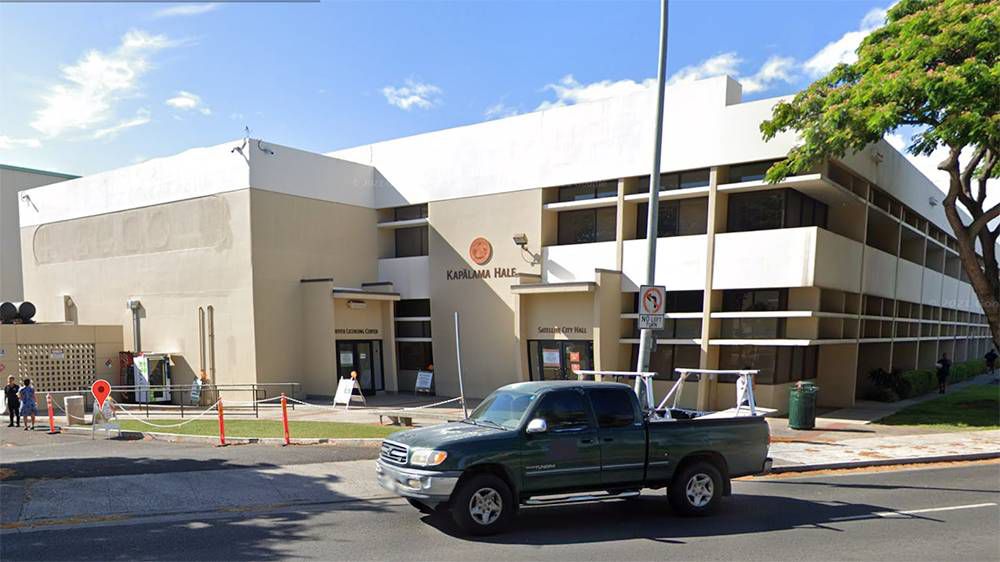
(921,381)
(889,381)
(882,394)
(967,370)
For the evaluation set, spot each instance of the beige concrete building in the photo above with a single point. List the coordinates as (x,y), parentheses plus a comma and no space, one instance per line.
(318,265)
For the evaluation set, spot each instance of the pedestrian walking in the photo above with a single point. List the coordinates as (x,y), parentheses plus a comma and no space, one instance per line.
(12,401)
(991,363)
(943,370)
(29,407)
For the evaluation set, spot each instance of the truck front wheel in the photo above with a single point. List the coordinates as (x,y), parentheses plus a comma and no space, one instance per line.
(482,505)
(696,489)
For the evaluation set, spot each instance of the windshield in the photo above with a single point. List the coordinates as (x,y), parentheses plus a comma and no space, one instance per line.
(504,408)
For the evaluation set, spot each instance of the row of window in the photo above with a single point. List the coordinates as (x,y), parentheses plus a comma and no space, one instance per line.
(413,356)
(760,210)
(777,364)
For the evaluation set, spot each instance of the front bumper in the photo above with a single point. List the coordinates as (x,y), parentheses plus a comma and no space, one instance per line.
(767,466)
(428,485)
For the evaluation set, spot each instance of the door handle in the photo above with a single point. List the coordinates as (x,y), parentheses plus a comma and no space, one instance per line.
(586,441)
(609,439)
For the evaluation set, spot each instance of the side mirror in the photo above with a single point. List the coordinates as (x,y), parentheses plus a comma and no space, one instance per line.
(537,425)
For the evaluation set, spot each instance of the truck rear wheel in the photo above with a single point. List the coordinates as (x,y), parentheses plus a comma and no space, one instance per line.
(696,489)
(482,505)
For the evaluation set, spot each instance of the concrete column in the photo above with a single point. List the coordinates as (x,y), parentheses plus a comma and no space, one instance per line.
(390,369)
(607,319)
(712,299)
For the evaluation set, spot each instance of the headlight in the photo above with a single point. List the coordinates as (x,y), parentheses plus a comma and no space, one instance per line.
(427,457)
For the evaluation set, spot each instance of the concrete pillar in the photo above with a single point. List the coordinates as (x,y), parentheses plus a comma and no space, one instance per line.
(712,300)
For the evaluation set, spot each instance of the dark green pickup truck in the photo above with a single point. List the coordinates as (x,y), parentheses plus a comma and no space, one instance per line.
(541,443)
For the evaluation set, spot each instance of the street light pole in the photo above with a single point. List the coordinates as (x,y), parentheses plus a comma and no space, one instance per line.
(646,336)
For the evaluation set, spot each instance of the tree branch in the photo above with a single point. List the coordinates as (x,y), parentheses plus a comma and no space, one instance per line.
(983,220)
(991,161)
(970,168)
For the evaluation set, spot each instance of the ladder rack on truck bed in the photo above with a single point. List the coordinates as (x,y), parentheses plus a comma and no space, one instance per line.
(643,386)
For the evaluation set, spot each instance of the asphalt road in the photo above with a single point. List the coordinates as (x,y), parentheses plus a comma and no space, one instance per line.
(34,454)
(835,517)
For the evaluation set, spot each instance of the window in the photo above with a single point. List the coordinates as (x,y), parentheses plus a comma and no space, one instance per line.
(682,217)
(587,225)
(777,364)
(614,408)
(753,328)
(411,212)
(413,329)
(414,355)
(677,301)
(774,208)
(754,300)
(676,180)
(564,409)
(753,171)
(409,308)
(665,358)
(590,190)
(411,241)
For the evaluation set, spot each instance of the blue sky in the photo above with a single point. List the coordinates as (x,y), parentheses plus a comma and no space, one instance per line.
(90,87)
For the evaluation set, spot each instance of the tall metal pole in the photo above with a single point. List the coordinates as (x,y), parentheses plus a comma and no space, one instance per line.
(458,357)
(646,337)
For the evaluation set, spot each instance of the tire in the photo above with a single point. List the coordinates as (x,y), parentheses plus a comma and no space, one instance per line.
(421,506)
(696,489)
(482,505)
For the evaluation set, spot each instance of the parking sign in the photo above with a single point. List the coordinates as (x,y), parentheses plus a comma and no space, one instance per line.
(652,306)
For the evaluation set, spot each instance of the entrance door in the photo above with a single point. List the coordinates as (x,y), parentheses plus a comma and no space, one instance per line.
(365,358)
(558,359)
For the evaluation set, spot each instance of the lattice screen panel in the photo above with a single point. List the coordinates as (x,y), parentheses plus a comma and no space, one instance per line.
(57,367)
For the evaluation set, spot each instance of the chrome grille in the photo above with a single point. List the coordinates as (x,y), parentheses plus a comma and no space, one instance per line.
(393,452)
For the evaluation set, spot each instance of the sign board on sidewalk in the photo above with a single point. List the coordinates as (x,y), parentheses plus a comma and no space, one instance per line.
(652,306)
(105,418)
(345,392)
(424,381)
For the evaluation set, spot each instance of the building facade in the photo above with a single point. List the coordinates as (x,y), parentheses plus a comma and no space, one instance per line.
(12,180)
(531,229)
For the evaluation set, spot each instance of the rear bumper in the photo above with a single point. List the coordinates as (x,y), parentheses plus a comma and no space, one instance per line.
(430,486)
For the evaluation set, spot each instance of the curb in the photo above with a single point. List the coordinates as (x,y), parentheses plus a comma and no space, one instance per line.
(884,462)
(214,440)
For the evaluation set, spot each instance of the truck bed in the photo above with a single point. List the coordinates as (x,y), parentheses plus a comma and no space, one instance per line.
(742,442)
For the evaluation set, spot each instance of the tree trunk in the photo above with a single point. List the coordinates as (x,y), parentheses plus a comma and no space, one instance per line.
(987,289)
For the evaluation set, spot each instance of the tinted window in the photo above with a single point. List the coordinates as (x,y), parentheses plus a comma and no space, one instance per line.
(413,307)
(411,242)
(589,190)
(587,225)
(676,218)
(413,355)
(564,409)
(411,212)
(755,211)
(613,407)
(413,329)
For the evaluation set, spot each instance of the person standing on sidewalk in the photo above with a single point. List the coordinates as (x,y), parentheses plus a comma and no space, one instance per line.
(28,405)
(12,401)
(943,370)
(991,363)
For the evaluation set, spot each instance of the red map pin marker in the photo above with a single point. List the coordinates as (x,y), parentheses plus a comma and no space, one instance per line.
(100,389)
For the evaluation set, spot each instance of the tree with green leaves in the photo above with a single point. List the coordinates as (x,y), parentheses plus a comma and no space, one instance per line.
(934,66)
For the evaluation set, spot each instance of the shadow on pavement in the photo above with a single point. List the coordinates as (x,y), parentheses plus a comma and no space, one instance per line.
(650,518)
(873,486)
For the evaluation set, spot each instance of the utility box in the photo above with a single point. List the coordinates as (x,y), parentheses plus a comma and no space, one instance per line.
(74,407)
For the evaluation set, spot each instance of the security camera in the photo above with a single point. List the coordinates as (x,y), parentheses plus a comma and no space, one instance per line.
(521,240)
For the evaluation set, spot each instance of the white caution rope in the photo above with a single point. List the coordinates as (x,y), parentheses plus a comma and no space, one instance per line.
(166,426)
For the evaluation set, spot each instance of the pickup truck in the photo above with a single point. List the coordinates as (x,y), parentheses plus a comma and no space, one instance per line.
(542,443)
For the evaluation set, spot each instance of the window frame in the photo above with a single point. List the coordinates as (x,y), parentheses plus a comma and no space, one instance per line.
(588,412)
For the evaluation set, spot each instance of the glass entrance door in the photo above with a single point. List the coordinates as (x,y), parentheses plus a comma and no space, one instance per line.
(365,358)
(558,359)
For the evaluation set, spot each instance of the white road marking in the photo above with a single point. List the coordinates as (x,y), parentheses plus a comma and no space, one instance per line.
(931,510)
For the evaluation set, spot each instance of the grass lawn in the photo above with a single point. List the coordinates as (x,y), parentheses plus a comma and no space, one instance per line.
(267,428)
(973,407)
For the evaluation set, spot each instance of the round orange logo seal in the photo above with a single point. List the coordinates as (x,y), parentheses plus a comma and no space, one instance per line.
(480,251)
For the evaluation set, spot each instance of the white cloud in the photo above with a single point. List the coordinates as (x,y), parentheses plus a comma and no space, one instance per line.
(726,63)
(843,50)
(186,101)
(8,143)
(186,10)
(775,69)
(93,86)
(142,117)
(499,110)
(413,94)
(569,91)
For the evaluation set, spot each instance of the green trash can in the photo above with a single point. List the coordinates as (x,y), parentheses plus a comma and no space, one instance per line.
(802,406)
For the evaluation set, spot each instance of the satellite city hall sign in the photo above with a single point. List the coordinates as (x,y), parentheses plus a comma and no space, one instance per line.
(480,252)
